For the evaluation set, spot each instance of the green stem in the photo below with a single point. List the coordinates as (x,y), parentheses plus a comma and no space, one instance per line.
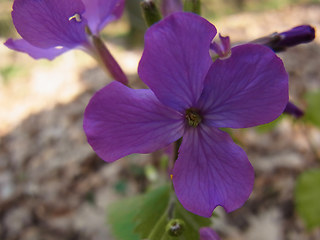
(107,60)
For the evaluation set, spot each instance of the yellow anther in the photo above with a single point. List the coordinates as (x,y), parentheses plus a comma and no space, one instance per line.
(77,17)
(171,176)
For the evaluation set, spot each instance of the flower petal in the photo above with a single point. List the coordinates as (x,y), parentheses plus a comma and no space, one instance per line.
(176,58)
(119,121)
(100,12)
(46,24)
(23,46)
(247,89)
(211,170)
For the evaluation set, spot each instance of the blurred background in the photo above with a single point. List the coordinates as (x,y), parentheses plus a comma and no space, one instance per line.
(53,186)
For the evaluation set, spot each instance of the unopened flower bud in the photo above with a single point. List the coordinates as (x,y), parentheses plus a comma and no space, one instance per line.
(192,6)
(280,41)
(175,227)
(150,12)
(297,35)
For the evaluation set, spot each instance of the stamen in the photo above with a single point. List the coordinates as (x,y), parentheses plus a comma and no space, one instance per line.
(76,16)
(221,50)
(193,117)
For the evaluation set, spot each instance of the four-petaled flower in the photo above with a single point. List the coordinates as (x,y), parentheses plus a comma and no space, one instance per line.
(191,96)
(51,27)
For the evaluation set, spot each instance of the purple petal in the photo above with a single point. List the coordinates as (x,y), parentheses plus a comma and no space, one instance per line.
(119,121)
(222,49)
(23,46)
(247,89)
(46,24)
(211,170)
(207,233)
(176,58)
(170,6)
(100,12)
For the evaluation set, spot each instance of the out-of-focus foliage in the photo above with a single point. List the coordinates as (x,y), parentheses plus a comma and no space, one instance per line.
(218,8)
(307,197)
(152,216)
(121,217)
(269,126)
(7,72)
(147,216)
(312,113)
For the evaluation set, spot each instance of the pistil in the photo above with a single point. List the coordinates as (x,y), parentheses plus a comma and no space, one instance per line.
(193,117)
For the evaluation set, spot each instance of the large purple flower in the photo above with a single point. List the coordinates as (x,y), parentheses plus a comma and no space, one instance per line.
(191,97)
(51,27)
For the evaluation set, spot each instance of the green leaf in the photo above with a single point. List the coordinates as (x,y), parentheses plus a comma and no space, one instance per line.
(312,113)
(121,216)
(307,195)
(193,222)
(154,217)
(147,217)
(154,206)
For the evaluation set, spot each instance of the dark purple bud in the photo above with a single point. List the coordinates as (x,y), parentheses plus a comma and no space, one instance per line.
(293,110)
(297,35)
(280,41)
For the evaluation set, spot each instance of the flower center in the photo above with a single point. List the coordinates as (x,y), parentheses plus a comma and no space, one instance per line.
(193,117)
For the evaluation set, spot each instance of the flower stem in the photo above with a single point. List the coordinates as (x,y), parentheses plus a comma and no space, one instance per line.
(107,61)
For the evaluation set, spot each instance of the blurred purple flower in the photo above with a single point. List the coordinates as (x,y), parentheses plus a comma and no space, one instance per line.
(191,96)
(207,233)
(51,27)
(171,6)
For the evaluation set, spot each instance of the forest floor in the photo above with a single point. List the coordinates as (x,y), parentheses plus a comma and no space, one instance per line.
(53,186)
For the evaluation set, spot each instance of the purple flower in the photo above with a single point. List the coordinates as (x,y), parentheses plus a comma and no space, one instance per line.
(207,233)
(51,27)
(191,96)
